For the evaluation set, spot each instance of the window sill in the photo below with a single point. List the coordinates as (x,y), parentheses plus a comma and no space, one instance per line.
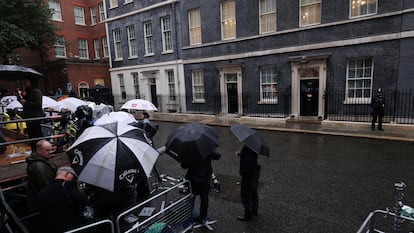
(357,101)
(132,57)
(149,55)
(167,52)
(118,59)
(199,102)
(267,102)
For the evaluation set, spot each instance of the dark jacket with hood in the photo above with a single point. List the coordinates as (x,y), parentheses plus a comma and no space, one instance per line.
(201,172)
(40,172)
(33,105)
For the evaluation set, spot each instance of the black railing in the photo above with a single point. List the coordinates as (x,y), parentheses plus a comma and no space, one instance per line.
(399,106)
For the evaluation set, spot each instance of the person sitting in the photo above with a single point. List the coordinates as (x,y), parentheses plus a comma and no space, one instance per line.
(61,203)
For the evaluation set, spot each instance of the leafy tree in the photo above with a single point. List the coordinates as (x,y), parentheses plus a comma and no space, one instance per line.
(25,24)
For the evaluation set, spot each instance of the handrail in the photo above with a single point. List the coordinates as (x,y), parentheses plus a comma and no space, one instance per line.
(31,119)
(32,139)
(91,225)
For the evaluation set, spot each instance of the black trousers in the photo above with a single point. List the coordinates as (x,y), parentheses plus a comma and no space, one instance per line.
(34,130)
(376,115)
(249,196)
(202,190)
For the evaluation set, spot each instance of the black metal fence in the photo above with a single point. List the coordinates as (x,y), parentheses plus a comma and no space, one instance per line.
(399,106)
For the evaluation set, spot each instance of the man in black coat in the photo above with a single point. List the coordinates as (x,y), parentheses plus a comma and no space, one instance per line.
(199,175)
(61,203)
(250,173)
(378,106)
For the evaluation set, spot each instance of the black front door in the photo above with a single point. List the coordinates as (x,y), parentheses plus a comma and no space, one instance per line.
(309,92)
(232,98)
(154,99)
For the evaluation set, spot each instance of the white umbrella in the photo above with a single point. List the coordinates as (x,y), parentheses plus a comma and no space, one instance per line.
(48,102)
(120,116)
(8,99)
(139,104)
(70,103)
(14,104)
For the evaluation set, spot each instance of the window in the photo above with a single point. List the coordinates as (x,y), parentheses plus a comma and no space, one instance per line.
(359,80)
(166,34)
(267,19)
(132,42)
(198,87)
(363,7)
(310,12)
(56,11)
(113,3)
(122,86)
(171,84)
(93,15)
(83,89)
(83,48)
(79,15)
(136,84)
(117,44)
(105,46)
(148,38)
(60,47)
(194,24)
(96,49)
(228,20)
(101,12)
(268,84)
(99,81)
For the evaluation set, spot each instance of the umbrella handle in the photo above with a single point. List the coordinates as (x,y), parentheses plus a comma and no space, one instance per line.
(161,149)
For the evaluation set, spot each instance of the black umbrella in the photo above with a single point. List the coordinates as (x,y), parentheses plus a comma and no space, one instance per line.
(191,142)
(16,72)
(251,139)
(113,155)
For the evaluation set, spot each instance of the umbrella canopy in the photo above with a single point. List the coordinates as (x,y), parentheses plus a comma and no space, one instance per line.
(250,138)
(191,142)
(120,116)
(48,102)
(111,156)
(139,104)
(70,103)
(16,72)
(14,104)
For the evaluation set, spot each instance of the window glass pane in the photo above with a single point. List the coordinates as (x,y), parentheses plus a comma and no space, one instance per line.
(359,78)
(360,8)
(228,20)
(195,26)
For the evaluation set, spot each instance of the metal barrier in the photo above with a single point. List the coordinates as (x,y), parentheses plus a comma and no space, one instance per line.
(372,222)
(94,226)
(168,211)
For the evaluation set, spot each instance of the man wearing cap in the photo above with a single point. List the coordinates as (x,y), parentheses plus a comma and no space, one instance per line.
(61,203)
(378,106)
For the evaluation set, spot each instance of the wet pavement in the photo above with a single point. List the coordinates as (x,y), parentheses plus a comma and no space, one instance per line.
(320,177)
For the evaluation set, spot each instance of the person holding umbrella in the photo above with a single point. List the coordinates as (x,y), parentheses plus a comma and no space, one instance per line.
(253,144)
(32,107)
(199,175)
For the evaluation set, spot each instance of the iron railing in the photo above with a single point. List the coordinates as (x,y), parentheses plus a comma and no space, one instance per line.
(399,107)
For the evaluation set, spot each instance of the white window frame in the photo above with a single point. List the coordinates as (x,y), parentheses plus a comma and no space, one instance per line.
(166,28)
(132,41)
(268,85)
(117,44)
(79,14)
(309,14)
(135,80)
(194,26)
(83,49)
(54,6)
(60,45)
(228,20)
(101,9)
(267,16)
(359,8)
(171,84)
(122,89)
(148,38)
(96,48)
(113,3)
(105,46)
(92,10)
(83,86)
(359,79)
(197,78)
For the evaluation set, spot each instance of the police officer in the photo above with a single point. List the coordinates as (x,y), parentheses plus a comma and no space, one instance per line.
(378,105)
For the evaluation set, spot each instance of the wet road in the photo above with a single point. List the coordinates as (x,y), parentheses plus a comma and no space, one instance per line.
(311,183)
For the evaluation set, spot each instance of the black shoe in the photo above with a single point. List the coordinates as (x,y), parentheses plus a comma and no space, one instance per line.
(244,218)
(373,128)
(381,129)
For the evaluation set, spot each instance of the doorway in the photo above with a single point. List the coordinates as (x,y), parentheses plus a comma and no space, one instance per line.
(309,90)
(153,91)
(232,102)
